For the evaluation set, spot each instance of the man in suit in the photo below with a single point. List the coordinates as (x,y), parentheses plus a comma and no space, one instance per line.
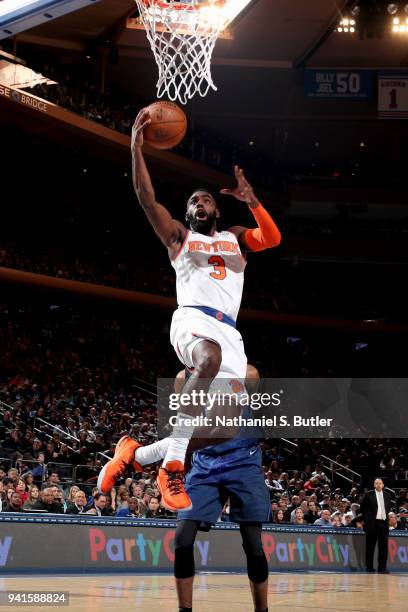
(78,507)
(375,508)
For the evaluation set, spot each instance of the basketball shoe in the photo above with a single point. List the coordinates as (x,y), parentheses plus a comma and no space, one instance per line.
(170,482)
(122,460)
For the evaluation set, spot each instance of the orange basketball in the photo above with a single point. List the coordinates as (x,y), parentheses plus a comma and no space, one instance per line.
(168,125)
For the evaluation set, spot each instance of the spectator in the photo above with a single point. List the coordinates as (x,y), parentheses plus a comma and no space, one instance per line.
(147,495)
(358,522)
(133,510)
(294,503)
(13,475)
(275,470)
(21,490)
(303,506)
(225,513)
(355,509)
(403,514)
(312,484)
(79,504)
(324,520)
(39,470)
(279,517)
(307,473)
(47,502)
(33,496)
(99,506)
(8,485)
(321,475)
(71,495)
(53,479)
(14,503)
(296,483)
(312,513)
(272,484)
(122,496)
(136,490)
(284,480)
(28,479)
(154,510)
(348,519)
(402,498)
(273,455)
(336,519)
(58,496)
(299,519)
(394,522)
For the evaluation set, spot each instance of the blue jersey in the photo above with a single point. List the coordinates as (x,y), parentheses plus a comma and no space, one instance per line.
(231,469)
(242,449)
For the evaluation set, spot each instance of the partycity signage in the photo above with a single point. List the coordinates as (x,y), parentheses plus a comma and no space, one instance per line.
(139,547)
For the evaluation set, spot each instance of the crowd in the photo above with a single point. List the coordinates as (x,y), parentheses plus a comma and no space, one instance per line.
(21,492)
(300,498)
(93,378)
(292,286)
(122,273)
(76,90)
(311,497)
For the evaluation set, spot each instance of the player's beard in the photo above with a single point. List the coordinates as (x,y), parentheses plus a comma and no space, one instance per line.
(202,226)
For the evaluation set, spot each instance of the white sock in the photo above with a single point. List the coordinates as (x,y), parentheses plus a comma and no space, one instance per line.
(153,452)
(179,440)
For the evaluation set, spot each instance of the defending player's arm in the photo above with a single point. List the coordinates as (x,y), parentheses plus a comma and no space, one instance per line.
(170,231)
(267,234)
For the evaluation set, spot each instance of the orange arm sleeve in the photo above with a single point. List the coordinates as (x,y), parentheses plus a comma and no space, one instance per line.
(266,235)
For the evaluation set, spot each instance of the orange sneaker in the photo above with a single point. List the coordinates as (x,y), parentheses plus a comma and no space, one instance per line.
(170,482)
(123,458)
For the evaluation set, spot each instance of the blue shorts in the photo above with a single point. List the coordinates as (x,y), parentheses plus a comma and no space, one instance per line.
(210,483)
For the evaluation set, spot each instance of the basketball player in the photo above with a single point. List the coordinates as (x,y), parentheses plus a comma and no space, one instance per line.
(209,266)
(231,469)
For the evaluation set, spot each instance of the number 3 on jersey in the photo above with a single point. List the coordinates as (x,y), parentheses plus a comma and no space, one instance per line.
(219,267)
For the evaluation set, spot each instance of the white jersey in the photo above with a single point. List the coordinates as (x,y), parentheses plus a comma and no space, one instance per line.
(210,272)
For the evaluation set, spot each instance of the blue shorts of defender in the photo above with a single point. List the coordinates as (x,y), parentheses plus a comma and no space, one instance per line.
(236,474)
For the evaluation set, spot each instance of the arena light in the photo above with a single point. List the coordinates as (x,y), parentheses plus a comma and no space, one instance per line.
(393,8)
(400,26)
(347,25)
(20,15)
(355,11)
(9,6)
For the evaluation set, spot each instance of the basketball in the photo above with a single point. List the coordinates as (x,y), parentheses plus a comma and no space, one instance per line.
(168,125)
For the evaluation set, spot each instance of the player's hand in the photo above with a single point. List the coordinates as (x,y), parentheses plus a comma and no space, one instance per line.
(243,191)
(141,121)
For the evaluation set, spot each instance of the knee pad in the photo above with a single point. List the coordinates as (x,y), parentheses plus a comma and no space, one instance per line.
(184,549)
(257,567)
(184,562)
(257,564)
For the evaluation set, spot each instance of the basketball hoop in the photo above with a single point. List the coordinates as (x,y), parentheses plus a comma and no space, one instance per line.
(182,36)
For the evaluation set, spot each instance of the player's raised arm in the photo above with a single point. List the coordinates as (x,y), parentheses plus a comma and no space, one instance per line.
(170,231)
(267,234)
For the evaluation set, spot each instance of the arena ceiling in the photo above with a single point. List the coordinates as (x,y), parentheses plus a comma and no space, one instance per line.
(259,74)
(270,33)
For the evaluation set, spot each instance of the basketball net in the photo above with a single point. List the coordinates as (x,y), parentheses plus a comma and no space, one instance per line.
(182,36)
